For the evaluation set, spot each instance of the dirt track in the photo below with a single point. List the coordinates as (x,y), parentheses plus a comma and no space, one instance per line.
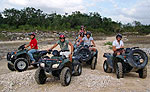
(89,81)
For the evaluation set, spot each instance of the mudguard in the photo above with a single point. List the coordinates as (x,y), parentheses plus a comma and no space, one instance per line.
(109,59)
(133,63)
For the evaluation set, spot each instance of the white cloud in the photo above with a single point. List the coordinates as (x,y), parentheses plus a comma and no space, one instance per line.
(17,2)
(60,6)
(140,11)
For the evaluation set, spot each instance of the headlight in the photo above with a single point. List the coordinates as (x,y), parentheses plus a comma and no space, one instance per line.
(141,60)
(42,64)
(12,56)
(55,65)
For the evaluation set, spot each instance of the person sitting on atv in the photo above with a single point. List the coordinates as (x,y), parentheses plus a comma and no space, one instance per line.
(87,41)
(80,38)
(82,30)
(118,45)
(64,46)
(33,46)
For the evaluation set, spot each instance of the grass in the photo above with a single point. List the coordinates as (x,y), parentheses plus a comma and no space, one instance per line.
(108,43)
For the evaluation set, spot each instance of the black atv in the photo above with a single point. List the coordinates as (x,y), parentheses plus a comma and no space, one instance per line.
(132,60)
(19,60)
(58,66)
(83,54)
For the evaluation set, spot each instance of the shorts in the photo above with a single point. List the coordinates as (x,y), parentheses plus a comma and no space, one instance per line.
(66,53)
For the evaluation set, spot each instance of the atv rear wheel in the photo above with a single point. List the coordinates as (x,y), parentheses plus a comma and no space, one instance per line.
(119,70)
(143,73)
(78,70)
(10,67)
(65,76)
(21,64)
(94,62)
(106,67)
(40,76)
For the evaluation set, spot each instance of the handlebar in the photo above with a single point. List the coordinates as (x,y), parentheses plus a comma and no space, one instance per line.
(134,47)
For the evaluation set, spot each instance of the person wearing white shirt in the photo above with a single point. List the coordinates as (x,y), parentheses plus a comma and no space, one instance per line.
(118,44)
(88,40)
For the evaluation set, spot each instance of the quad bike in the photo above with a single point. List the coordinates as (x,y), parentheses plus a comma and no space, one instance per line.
(132,60)
(19,60)
(83,54)
(58,66)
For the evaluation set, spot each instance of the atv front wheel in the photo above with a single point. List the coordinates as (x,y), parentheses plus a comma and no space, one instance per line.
(94,62)
(106,67)
(78,70)
(143,73)
(40,76)
(119,70)
(10,67)
(65,76)
(21,64)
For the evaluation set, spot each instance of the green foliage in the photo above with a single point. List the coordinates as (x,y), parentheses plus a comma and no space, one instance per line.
(108,43)
(30,19)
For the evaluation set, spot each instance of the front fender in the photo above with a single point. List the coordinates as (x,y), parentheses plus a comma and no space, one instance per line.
(120,57)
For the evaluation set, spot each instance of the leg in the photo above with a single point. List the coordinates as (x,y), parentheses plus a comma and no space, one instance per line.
(30,52)
(93,49)
(70,57)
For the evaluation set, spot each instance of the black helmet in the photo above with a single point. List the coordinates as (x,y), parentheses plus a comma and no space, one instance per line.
(118,35)
(88,33)
(55,53)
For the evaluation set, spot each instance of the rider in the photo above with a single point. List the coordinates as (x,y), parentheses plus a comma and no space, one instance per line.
(33,46)
(82,30)
(80,38)
(64,46)
(87,41)
(118,45)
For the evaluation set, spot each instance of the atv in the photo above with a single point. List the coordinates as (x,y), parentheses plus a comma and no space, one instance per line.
(132,60)
(19,60)
(58,66)
(83,54)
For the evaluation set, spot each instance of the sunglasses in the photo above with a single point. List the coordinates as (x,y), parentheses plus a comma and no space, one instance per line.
(61,38)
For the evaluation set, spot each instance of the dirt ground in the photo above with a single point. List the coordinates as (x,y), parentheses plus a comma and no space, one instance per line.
(90,80)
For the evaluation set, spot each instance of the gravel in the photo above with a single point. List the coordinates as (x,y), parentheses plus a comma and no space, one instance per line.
(89,81)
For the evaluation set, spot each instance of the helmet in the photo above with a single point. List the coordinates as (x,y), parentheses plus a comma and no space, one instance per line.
(55,53)
(88,33)
(81,33)
(32,33)
(118,35)
(62,36)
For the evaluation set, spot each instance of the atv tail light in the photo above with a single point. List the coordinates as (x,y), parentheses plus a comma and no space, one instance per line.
(15,52)
(125,57)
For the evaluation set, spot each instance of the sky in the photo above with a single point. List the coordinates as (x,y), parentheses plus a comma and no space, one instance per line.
(125,11)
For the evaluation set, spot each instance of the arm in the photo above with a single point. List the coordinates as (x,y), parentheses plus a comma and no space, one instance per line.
(81,41)
(71,47)
(77,40)
(93,43)
(27,45)
(55,45)
(114,48)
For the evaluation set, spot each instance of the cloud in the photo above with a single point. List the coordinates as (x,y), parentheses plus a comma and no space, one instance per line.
(124,10)
(60,6)
(140,11)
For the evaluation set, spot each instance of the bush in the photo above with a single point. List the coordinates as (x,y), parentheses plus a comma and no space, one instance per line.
(108,43)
